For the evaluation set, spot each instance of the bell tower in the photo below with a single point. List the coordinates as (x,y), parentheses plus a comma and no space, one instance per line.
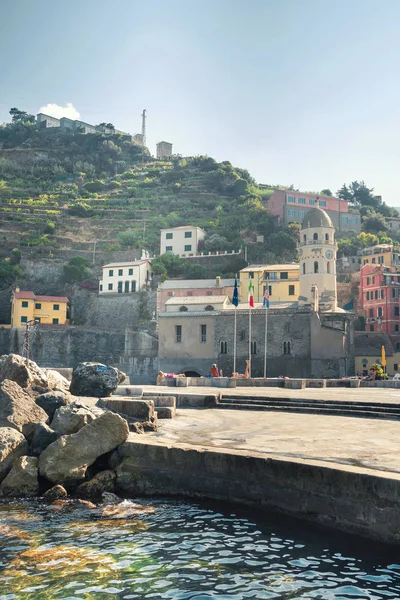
(317,254)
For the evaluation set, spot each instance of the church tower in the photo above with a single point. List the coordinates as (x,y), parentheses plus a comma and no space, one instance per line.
(317,254)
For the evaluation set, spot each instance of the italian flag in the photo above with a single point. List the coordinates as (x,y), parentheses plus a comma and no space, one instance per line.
(251,294)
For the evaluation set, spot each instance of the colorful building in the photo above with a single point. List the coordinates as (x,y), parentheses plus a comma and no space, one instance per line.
(47,310)
(379,300)
(382,254)
(289,206)
(126,277)
(181,288)
(368,351)
(183,241)
(282,281)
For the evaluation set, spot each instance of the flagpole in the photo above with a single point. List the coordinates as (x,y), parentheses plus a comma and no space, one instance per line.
(234,344)
(250,342)
(265,342)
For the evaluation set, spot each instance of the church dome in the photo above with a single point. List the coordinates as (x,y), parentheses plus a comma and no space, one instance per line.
(316,217)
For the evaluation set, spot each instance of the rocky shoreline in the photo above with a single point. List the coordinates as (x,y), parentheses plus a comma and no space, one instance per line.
(59,439)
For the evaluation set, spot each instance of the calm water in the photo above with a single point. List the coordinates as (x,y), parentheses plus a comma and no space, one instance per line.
(179,550)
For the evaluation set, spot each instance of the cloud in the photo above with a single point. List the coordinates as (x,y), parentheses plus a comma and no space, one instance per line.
(57,111)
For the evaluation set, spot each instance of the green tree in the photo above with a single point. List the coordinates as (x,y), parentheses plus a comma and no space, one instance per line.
(374,223)
(326,192)
(76,270)
(20,116)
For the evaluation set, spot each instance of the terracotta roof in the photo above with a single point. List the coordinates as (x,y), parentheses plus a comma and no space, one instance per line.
(32,296)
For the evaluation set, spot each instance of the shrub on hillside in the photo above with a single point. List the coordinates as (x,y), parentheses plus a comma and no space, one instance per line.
(80,209)
(76,270)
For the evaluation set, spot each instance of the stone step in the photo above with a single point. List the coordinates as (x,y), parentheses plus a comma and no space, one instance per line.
(129,390)
(134,408)
(293,402)
(165,412)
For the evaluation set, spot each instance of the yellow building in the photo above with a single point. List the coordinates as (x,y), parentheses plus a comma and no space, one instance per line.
(368,349)
(47,310)
(282,281)
(382,254)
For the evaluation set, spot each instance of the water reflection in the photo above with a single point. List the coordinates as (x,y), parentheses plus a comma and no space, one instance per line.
(176,550)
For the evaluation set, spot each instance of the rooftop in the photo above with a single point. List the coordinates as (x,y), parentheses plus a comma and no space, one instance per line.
(288,267)
(26,295)
(197,300)
(134,263)
(195,284)
(182,227)
(316,217)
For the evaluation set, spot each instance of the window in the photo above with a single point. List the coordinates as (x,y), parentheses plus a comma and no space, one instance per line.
(380,311)
(322,202)
(224,347)
(126,287)
(382,294)
(373,261)
(284,275)
(376,294)
(209,307)
(130,272)
(301,201)
(24,304)
(397,346)
(101,287)
(327,237)
(302,214)
(56,307)
(304,268)
(110,287)
(38,306)
(291,198)
(291,290)
(291,213)
(37,320)
(311,202)
(328,267)
(286,347)
(273,275)
(396,328)
(304,238)
(203,334)
(380,260)
(178,333)
(120,272)
(315,266)
(371,328)
(396,311)
(190,293)
(24,319)
(168,236)
(183,309)
(119,287)
(251,275)
(344,218)
(209,293)
(188,234)
(253,346)
(55,321)
(133,286)
(371,312)
(315,237)
(395,367)
(168,248)
(188,248)
(373,279)
(368,280)
(111,272)
(270,290)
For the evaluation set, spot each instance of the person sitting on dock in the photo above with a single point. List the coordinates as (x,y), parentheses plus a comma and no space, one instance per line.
(214,371)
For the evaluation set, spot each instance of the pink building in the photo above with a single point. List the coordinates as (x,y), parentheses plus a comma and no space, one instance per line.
(289,206)
(181,288)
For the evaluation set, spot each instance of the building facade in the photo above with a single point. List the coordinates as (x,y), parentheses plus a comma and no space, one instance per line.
(379,300)
(47,310)
(288,206)
(368,351)
(317,255)
(381,254)
(282,282)
(45,121)
(125,277)
(183,240)
(181,288)
(164,150)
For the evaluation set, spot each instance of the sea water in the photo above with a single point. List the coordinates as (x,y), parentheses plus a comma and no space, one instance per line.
(175,549)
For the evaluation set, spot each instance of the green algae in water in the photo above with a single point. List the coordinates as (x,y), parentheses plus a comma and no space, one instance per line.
(182,551)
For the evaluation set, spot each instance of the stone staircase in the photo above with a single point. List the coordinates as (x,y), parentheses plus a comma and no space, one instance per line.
(342,408)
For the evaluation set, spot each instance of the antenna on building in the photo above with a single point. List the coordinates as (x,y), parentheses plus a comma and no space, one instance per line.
(144,126)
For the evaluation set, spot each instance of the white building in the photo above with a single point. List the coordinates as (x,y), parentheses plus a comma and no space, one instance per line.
(125,277)
(317,254)
(183,241)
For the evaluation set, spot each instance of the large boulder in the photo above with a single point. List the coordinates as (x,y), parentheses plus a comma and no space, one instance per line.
(22,480)
(43,437)
(67,459)
(12,445)
(56,381)
(70,419)
(100,483)
(95,379)
(51,401)
(15,368)
(57,492)
(18,410)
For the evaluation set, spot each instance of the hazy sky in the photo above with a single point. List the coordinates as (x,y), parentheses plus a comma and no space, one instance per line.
(297,91)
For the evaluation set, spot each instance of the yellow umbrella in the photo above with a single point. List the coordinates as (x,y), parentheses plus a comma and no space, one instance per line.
(383,357)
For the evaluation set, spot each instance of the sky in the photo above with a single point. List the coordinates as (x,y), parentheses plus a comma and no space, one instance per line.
(302,92)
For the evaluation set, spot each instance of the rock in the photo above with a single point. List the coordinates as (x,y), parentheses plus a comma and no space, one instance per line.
(14,368)
(18,410)
(110,498)
(50,401)
(70,419)
(43,437)
(12,445)
(95,379)
(22,480)
(136,427)
(56,381)
(67,459)
(132,408)
(100,483)
(57,492)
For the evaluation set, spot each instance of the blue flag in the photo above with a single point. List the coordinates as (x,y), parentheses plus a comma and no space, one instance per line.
(235,297)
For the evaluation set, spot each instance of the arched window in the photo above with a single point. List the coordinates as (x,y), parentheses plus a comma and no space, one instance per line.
(209,307)
(133,286)
(316,266)
(304,238)
(327,237)
(183,309)
(315,236)
(304,268)
(223,347)
(328,267)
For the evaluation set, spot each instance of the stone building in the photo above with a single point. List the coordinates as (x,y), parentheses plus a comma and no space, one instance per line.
(180,288)
(164,149)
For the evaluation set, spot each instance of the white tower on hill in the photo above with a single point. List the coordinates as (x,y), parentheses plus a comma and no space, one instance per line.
(317,254)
